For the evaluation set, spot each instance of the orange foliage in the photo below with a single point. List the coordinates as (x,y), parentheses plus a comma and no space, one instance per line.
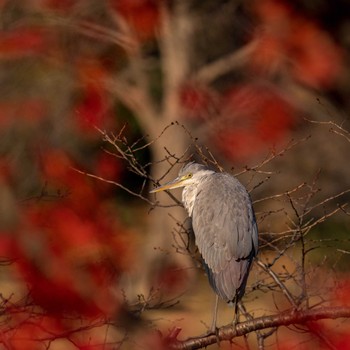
(289,41)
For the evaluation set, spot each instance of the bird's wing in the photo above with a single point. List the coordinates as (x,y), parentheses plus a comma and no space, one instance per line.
(223,222)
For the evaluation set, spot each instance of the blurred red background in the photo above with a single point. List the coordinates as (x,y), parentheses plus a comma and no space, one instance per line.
(65,241)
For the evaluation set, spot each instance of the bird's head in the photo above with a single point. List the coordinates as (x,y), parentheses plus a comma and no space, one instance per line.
(190,174)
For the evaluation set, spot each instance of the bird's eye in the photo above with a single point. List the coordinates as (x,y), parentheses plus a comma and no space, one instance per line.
(189,175)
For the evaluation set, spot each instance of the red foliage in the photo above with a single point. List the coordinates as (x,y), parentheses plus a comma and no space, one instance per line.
(28,112)
(29,330)
(68,260)
(6,245)
(6,170)
(108,167)
(343,342)
(159,341)
(58,171)
(23,42)
(339,338)
(257,119)
(171,279)
(141,15)
(197,101)
(61,5)
(96,346)
(93,109)
(288,40)
(342,292)
(68,245)
(32,330)
(69,250)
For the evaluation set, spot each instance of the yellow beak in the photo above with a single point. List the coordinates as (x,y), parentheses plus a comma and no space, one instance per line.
(178,182)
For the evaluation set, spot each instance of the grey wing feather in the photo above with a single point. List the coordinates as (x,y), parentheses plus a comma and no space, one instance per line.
(226,233)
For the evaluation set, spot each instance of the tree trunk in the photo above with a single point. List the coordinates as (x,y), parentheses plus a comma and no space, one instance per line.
(159,254)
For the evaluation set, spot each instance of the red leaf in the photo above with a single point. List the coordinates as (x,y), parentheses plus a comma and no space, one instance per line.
(28,331)
(108,167)
(22,42)
(197,101)
(171,279)
(28,111)
(142,16)
(67,264)
(289,42)
(342,292)
(256,119)
(318,60)
(343,342)
(93,109)
(6,245)
(61,5)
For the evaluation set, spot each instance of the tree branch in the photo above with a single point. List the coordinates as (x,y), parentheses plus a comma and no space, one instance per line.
(282,319)
(226,64)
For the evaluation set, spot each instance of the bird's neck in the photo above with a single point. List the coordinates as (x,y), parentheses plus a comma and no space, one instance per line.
(189,194)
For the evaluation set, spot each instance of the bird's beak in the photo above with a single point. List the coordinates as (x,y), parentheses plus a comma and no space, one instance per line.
(178,182)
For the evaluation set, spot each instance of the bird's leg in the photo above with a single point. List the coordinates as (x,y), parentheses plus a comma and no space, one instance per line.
(215,314)
(213,330)
(236,318)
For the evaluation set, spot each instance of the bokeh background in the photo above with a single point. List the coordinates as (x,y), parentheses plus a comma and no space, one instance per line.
(253,84)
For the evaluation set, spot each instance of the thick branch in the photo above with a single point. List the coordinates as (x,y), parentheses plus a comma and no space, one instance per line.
(283,319)
(176,35)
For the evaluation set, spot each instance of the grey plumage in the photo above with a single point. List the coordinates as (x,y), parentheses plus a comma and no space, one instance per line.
(224,226)
(225,229)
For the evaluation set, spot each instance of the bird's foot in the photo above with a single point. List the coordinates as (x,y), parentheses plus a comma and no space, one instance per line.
(216,333)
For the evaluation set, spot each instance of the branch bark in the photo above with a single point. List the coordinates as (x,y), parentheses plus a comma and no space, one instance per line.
(282,319)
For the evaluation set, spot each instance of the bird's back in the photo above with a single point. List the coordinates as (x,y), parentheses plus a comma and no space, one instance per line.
(226,233)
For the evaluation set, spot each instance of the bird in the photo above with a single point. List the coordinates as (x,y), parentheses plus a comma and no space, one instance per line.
(224,226)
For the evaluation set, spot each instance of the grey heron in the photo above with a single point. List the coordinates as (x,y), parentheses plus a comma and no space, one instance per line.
(224,227)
